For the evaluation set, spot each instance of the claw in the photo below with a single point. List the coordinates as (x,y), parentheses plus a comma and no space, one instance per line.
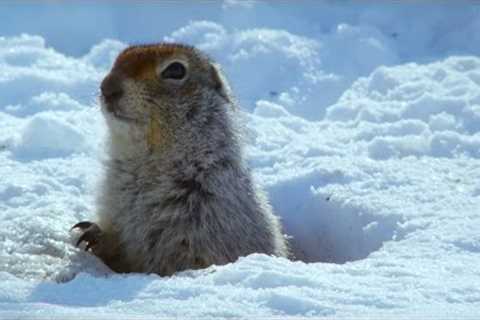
(89,246)
(91,234)
(82,225)
(83,238)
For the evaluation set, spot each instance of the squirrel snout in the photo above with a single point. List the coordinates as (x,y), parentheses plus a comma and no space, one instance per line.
(111,88)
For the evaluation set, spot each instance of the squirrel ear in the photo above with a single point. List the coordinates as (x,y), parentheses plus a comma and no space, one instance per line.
(219,82)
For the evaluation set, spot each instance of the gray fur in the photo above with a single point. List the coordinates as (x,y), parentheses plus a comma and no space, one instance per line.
(189,201)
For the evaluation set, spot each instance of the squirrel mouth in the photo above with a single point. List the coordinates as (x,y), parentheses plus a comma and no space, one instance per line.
(122,117)
(115,113)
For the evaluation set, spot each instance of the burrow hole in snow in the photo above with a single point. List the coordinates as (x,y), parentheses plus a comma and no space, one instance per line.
(325,229)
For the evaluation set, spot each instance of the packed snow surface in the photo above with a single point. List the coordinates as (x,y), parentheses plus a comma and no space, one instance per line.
(362,122)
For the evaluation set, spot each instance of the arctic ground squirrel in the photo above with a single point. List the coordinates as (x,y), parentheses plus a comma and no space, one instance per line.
(176,194)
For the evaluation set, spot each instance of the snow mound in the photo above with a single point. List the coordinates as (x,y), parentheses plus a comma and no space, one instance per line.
(47,136)
(103,55)
(303,74)
(416,110)
(28,68)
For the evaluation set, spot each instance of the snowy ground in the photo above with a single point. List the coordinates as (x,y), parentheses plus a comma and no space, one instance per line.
(362,123)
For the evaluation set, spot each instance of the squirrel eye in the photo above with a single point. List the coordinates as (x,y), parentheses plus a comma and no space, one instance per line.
(175,70)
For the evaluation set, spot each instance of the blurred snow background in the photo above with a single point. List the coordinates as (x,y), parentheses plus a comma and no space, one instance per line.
(363,124)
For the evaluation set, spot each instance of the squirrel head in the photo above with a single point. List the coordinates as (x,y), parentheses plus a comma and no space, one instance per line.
(160,94)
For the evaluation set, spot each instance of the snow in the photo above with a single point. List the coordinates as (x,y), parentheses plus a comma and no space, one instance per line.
(362,122)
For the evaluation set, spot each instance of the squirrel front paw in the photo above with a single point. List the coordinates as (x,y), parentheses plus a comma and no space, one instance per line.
(92,234)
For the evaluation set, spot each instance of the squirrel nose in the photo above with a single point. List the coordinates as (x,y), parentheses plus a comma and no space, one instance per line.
(111,88)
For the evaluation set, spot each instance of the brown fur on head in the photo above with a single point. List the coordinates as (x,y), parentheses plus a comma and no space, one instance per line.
(158,89)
